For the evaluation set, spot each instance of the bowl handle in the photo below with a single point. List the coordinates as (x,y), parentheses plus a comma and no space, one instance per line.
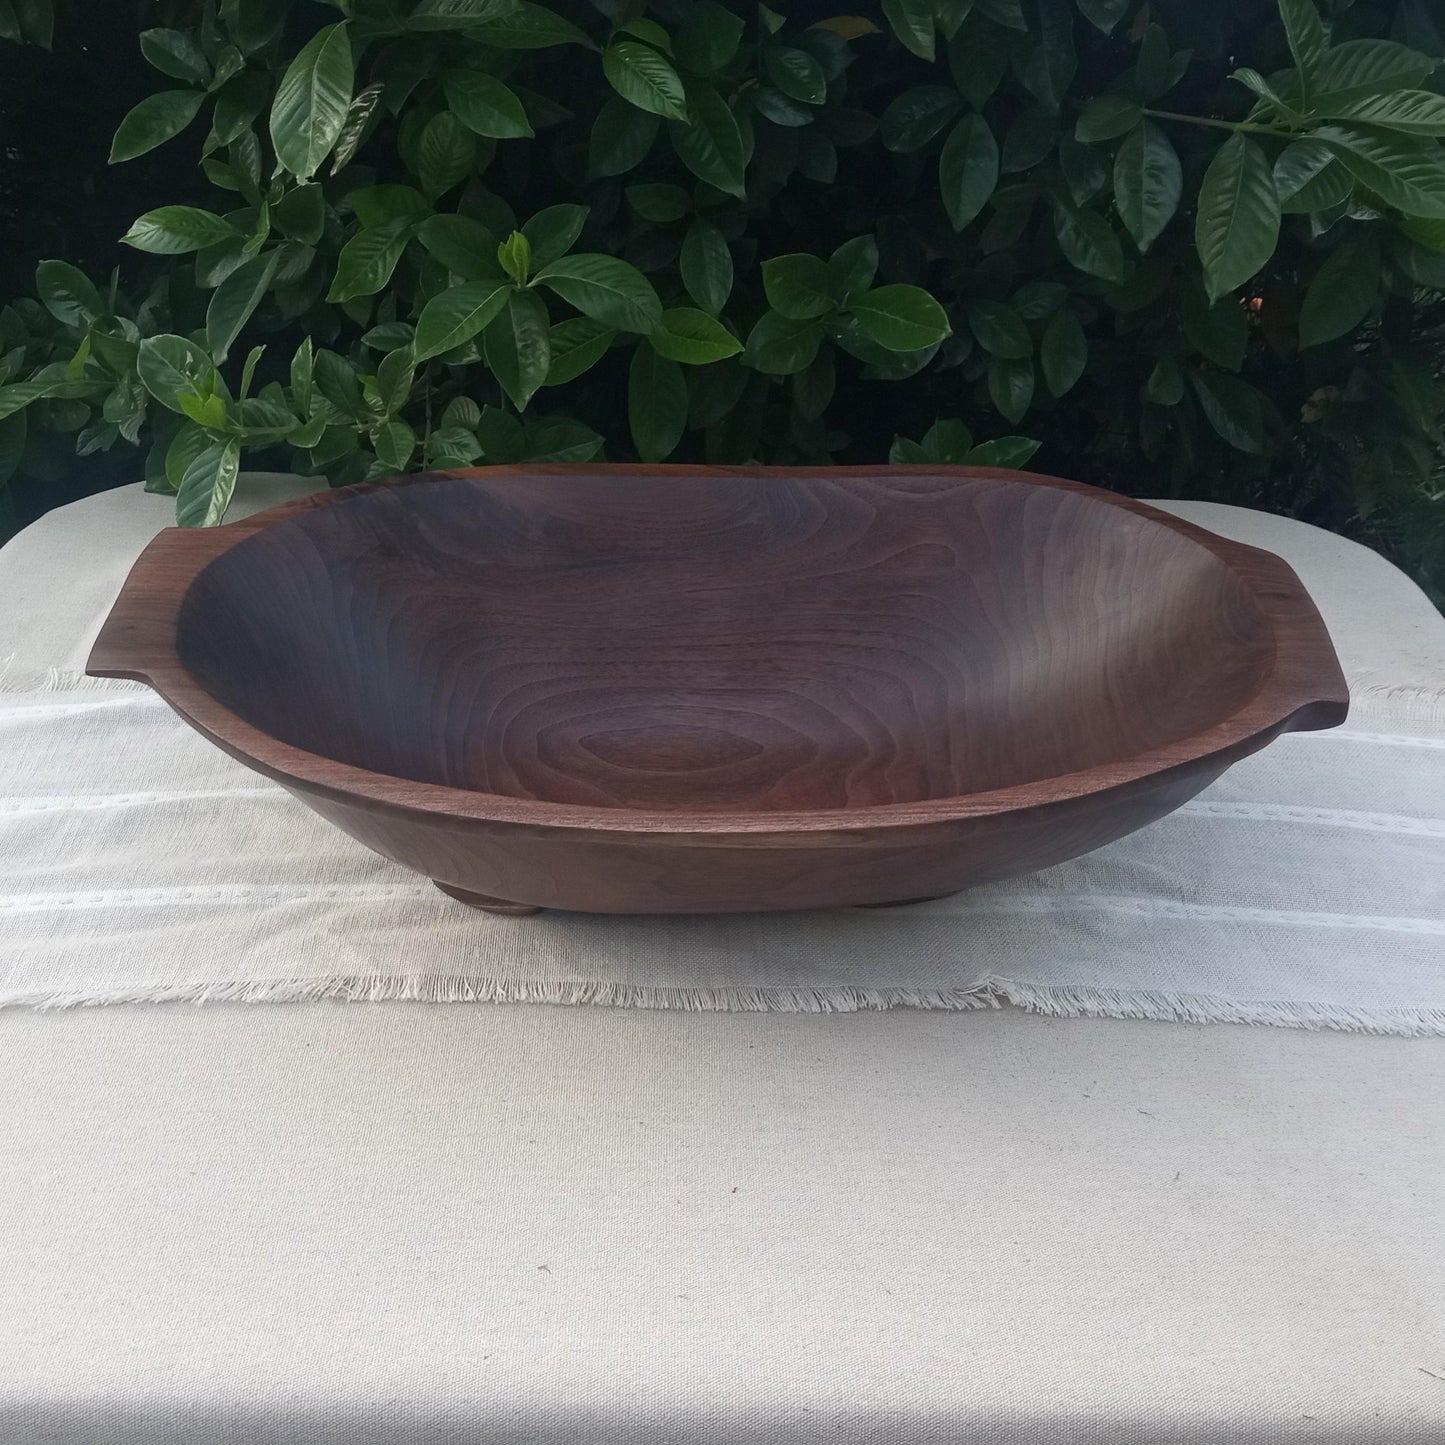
(138,637)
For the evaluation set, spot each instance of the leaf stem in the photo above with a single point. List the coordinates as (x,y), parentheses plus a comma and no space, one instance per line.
(1231,125)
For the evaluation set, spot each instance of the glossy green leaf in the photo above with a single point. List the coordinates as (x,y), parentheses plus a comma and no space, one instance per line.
(1232,407)
(368,259)
(814,386)
(1165,383)
(184,447)
(706,266)
(1297,165)
(1274,105)
(301,214)
(153,122)
(1063,352)
(796,73)
(174,53)
(485,105)
(463,411)
(394,378)
(452,446)
(621,136)
(1429,234)
(457,315)
(207,412)
(1104,14)
(1085,169)
(1107,116)
(1414,112)
(645,79)
(912,22)
(1029,140)
(1154,66)
(1011,385)
(968,170)
(395,443)
(693,337)
(356,126)
(531,27)
(999,328)
(1237,223)
(20,394)
(1403,171)
(170,365)
(1358,68)
(802,286)
(1219,332)
(430,15)
(560,439)
(312,101)
(464,246)
(901,318)
(1008,13)
(855,263)
(1045,61)
(656,404)
(1038,300)
(659,201)
(913,118)
(978,58)
(576,344)
(552,232)
(1305,32)
(780,345)
(67,294)
(516,347)
(514,255)
(376,205)
(1148,182)
(1342,293)
(234,301)
(707,37)
(605,288)
(1089,243)
(207,485)
(1011,452)
(446,153)
(335,379)
(710,143)
(32,22)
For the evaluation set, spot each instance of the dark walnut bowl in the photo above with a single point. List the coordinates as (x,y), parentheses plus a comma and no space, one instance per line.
(678,689)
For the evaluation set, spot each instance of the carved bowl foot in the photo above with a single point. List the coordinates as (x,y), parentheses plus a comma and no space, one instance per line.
(499,906)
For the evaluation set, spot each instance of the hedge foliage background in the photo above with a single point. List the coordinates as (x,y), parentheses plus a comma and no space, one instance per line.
(1175,248)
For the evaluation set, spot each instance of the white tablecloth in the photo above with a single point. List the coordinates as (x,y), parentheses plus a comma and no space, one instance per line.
(397,1223)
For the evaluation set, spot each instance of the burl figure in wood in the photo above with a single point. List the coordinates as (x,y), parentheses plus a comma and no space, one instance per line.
(680,689)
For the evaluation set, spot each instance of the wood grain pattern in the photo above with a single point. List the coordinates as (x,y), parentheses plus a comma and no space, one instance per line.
(673,689)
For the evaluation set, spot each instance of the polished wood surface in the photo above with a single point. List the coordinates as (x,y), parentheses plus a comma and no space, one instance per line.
(679,689)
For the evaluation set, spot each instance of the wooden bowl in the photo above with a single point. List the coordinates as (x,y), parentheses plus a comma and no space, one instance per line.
(676,689)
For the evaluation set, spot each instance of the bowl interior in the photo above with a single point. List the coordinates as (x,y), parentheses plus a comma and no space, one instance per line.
(724,641)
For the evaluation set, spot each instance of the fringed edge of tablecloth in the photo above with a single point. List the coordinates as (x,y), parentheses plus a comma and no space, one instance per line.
(1053,1001)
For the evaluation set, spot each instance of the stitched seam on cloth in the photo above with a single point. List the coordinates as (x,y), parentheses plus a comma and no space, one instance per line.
(1393,740)
(1056,1001)
(45,711)
(203,893)
(88,802)
(370,892)
(1318,817)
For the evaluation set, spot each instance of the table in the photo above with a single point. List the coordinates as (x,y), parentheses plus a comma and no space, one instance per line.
(382,1224)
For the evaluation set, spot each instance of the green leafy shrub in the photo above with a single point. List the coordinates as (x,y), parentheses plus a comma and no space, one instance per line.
(440,232)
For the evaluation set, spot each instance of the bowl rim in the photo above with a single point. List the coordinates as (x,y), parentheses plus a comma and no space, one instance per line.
(1304,687)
